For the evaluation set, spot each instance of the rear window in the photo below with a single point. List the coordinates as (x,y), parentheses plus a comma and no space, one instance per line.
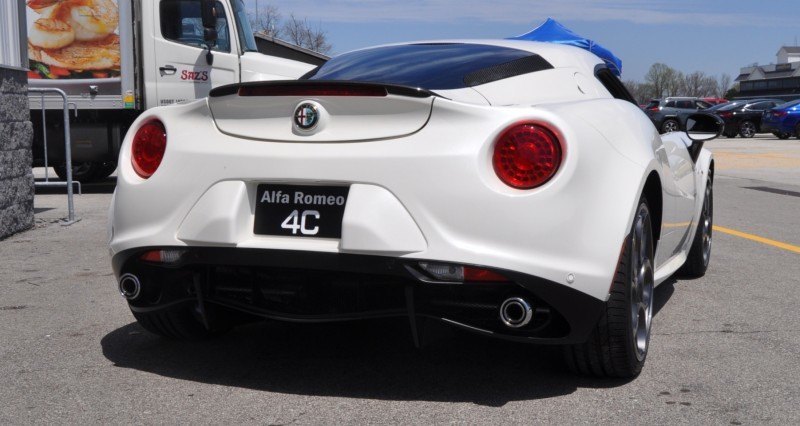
(761,105)
(431,66)
(788,104)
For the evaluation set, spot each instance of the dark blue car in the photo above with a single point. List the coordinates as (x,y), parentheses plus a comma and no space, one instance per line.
(783,121)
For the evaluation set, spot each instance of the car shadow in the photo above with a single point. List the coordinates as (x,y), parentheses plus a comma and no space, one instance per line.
(373,360)
(663,293)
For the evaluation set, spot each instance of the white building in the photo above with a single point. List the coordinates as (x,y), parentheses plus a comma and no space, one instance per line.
(789,54)
(780,80)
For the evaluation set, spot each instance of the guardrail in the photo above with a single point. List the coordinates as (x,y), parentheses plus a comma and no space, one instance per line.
(67,152)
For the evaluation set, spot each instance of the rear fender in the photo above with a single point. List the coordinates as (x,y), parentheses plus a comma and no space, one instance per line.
(702,170)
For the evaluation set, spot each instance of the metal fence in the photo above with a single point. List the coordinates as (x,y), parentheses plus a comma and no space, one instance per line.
(67,151)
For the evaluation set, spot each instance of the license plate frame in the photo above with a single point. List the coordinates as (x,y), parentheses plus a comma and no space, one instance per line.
(304,211)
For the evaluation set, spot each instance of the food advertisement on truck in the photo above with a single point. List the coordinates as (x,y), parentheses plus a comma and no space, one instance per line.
(75,42)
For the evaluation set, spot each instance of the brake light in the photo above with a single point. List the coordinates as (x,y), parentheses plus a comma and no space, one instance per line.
(654,109)
(477,274)
(148,148)
(526,156)
(308,90)
(779,114)
(726,114)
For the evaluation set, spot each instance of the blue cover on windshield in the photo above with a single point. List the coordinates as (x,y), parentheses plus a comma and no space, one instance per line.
(553,32)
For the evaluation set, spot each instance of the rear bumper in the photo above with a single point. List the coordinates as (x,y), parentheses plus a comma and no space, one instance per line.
(730,127)
(304,286)
(776,127)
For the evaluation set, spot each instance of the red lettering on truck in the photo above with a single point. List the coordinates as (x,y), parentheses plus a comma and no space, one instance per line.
(194,75)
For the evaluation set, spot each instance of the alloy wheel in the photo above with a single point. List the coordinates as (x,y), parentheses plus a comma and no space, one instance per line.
(642,282)
(670,126)
(748,129)
(707,223)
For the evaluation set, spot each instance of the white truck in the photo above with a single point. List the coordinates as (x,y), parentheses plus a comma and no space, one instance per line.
(118,58)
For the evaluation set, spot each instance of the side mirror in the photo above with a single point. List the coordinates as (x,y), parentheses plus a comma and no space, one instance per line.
(209,15)
(703,127)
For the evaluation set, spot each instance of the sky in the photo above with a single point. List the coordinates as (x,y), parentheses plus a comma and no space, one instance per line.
(713,36)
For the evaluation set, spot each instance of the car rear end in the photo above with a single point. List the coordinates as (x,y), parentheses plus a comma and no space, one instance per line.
(653,112)
(330,200)
(782,120)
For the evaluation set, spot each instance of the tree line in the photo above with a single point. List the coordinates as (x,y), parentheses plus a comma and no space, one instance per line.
(662,81)
(269,21)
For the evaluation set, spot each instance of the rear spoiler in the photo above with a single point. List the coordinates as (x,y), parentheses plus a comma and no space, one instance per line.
(319,88)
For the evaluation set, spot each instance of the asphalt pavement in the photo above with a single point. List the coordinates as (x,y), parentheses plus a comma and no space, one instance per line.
(725,348)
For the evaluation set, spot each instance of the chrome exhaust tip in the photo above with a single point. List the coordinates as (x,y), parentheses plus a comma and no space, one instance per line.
(516,312)
(130,287)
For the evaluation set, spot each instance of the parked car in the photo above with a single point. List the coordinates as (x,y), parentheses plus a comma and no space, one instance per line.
(723,105)
(783,120)
(744,118)
(664,113)
(464,182)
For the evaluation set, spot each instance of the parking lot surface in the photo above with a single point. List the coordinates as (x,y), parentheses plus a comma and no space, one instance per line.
(724,350)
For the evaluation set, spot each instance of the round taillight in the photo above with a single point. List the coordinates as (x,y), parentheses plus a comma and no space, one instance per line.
(148,148)
(526,156)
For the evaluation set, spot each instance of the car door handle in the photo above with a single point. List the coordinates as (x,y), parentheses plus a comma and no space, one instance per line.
(168,70)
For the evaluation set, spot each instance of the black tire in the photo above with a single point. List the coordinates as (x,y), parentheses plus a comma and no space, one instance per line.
(670,125)
(700,252)
(105,170)
(615,348)
(730,135)
(748,129)
(183,323)
(81,172)
(797,131)
(783,136)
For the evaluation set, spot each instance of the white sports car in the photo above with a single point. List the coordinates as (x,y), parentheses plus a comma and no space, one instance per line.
(509,188)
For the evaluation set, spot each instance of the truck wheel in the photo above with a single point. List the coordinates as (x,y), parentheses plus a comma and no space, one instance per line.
(81,172)
(618,345)
(105,170)
(181,323)
(700,252)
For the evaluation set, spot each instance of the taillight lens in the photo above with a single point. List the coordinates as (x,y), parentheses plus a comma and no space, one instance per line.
(148,148)
(526,156)
(478,274)
(654,109)
(446,272)
(726,114)
(779,114)
(162,256)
